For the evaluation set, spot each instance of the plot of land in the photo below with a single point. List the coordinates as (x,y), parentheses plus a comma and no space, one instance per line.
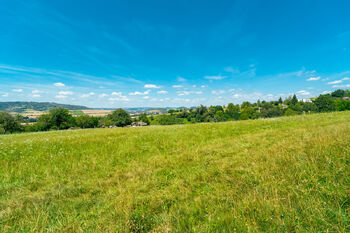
(277,175)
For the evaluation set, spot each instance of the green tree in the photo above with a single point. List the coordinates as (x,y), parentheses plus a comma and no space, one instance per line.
(143,117)
(86,121)
(120,117)
(280,101)
(8,124)
(338,93)
(325,103)
(294,100)
(232,111)
(57,118)
(248,113)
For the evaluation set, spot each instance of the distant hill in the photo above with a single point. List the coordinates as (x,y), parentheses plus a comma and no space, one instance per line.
(37,106)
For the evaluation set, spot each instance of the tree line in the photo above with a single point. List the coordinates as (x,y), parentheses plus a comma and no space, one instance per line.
(60,118)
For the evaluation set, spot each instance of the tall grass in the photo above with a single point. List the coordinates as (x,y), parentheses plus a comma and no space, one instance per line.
(289,174)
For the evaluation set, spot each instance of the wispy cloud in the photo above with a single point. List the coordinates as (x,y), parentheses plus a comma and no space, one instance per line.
(181,79)
(65,93)
(140,93)
(59,85)
(183,93)
(151,86)
(177,86)
(162,92)
(313,78)
(338,81)
(17,90)
(215,77)
(303,93)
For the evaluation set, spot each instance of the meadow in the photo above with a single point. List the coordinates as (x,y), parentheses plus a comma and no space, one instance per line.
(288,174)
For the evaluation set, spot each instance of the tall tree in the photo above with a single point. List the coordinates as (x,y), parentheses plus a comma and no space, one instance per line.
(294,100)
(120,117)
(8,124)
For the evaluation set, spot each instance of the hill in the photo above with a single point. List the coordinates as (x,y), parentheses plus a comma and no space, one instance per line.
(288,174)
(37,106)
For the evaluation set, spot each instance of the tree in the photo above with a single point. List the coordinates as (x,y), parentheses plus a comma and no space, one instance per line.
(57,118)
(338,93)
(8,124)
(325,103)
(232,111)
(120,117)
(280,101)
(294,100)
(60,118)
(86,121)
(248,113)
(143,117)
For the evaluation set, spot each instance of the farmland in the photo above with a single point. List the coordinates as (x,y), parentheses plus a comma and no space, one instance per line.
(272,175)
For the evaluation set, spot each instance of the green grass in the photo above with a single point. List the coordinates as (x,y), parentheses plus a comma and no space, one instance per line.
(289,174)
(76,112)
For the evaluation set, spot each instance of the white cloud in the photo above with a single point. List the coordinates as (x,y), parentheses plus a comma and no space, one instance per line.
(59,84)
(36,96)
(145,97)
(325,92)
(5,95)
(218,92)
(313,78)
(65,93)
(232,70)
(338,81)
(204,86)
(181,79)
(60,96)
(182,93)
(87,95)
(162,92)
(116,94)
(118,97)
(151,86)
(302,92)
(17,90)
(37,92)
(177,86)
(102,95)
(215,77)
(335,82)
(342,86)
(140,93)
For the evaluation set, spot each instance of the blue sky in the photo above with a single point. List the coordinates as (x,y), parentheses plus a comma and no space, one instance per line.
(171,53)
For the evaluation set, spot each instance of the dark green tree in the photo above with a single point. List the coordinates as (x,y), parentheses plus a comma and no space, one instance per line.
(325,103)
(120,117)
(8,123)
(294,100)
(338,93)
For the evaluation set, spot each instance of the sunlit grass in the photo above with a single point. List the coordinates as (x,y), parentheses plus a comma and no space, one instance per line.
(276,175)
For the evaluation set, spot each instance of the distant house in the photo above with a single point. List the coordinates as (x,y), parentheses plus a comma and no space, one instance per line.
(346,98)
(138,124)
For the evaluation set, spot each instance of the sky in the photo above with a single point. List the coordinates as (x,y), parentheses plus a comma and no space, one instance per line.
(138,53)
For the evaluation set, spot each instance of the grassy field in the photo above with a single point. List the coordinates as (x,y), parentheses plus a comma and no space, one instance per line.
(289,174)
